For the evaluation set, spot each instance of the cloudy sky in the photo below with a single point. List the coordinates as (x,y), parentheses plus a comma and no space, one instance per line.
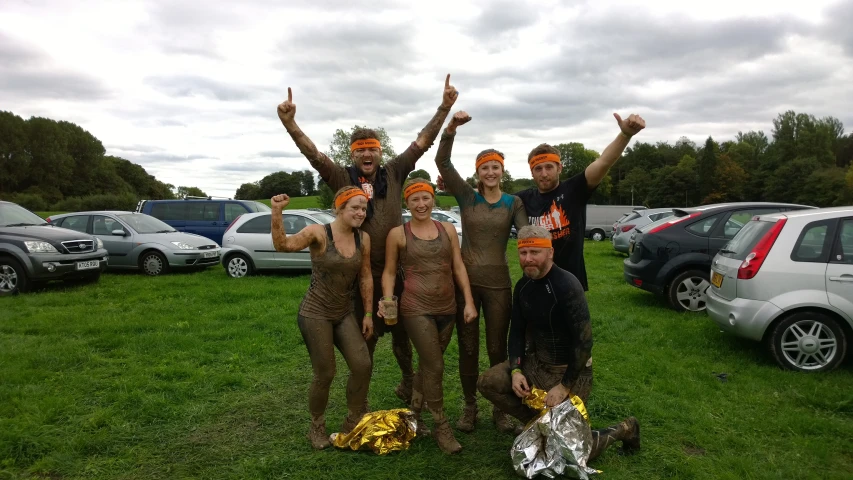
(189,89)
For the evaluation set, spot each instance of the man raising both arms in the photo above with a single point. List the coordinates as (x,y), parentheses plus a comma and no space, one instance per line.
(383,186)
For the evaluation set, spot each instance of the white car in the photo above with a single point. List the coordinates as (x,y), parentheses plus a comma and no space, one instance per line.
(787,279)
(441,216)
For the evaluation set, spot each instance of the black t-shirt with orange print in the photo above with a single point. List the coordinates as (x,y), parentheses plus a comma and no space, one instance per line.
(563,212)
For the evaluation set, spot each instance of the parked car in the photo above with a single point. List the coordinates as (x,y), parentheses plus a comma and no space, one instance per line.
(622,230)
(787,280)
(247,244)
(33,251)
(441,217)
(672,257)
(600,220)
(208,217)
(140,241)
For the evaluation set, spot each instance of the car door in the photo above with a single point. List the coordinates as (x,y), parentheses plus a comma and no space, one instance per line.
(839,271)
(293,224)
(254,235)
(203,218)
(118,246)
(731,224)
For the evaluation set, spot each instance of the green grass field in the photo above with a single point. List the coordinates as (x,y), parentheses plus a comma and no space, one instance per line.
(196,375)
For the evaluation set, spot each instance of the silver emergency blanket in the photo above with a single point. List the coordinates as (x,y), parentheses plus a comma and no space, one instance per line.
(556,443)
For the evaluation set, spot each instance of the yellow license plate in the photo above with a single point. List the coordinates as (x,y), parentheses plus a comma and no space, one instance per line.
(716,279)
(630,248)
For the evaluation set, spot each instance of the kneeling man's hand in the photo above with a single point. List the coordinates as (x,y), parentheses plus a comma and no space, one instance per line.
(519,385)
(556,395)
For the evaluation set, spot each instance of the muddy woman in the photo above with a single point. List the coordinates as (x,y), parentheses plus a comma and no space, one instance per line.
(340,254)
(487,217)
(383,186)
(428,252)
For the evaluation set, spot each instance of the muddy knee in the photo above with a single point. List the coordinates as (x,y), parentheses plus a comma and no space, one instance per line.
(323,377)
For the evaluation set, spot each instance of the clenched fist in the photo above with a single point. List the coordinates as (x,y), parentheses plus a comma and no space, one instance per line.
(279,201)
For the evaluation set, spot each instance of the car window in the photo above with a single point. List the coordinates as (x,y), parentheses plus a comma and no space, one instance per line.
(739,218)
(703,227)
(812,244)
(260,207)
(844,247)
(203,211)
(295,223)
(170,210)
(77,223)
(658,216)
(440,217)
(102,225)
(143,223)
(233,210)
(257,225)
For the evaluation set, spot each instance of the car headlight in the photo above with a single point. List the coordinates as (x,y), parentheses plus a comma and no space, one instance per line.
(100,243)
(40,247)
(183,246)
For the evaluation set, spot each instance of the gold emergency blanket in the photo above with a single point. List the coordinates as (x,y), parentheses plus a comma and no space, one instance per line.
(557,442)
(382,431)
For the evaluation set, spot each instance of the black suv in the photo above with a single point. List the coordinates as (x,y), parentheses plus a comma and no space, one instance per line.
(672,256)
(32,250)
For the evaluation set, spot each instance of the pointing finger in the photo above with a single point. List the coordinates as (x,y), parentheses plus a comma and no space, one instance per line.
(447,81)
(289,95)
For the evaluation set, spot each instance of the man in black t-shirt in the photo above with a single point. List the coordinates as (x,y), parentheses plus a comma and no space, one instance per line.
(561,206)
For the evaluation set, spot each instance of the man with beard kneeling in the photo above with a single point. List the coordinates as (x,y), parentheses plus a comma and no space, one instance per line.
(550,304)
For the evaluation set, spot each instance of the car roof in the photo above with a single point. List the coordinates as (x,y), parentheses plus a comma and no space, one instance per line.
(300,211)
(97,212)
(724,206)
(816,213)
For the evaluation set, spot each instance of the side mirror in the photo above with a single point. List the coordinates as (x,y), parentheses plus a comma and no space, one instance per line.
(119,233)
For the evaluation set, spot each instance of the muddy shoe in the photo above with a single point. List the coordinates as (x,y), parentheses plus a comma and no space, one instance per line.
(503,422)
(468,419)
(422,429)
(404,390)
(444,436)
(317,434)
(349,423)
(631,444)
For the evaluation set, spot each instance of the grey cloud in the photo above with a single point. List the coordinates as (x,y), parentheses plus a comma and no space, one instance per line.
(840,19)
(279,154)
(192,85)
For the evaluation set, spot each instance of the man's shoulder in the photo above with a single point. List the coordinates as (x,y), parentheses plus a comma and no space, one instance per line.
(563,279)
(526,193)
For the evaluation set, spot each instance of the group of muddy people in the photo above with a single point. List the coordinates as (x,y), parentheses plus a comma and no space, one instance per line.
(369,266)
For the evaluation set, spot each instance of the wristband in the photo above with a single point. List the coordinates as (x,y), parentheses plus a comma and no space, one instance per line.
(368,314)
(515,370)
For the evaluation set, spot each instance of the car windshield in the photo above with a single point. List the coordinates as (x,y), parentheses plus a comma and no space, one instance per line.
(143,223)
(746,239)
(323,217)
(12,215)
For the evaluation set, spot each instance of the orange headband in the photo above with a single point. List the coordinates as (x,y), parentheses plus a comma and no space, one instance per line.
(489,157)
(418,187)
(366,143)
(545,157)
(534,243)
(347,195)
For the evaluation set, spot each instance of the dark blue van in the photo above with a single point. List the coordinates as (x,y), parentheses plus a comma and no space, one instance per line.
(208,217)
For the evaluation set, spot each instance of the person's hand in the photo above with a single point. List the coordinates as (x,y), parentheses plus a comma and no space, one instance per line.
(367,327)
(439,184)
(459,118)
(450,94)
(519,385)
(470,313)
(631,125)
(556,395)
(286,109)
(279,201)
(381,309)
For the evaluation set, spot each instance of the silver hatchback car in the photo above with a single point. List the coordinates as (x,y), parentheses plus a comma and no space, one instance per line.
(247,243)
(787,279)
(136,240)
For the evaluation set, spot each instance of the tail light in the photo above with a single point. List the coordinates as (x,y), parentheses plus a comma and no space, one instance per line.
(625,228)
(673,222)
(47,220)
(232,224)
(752,263)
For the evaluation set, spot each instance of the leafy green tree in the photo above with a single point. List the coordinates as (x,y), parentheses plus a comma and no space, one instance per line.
(421,173)
(248,191)
(325,195)
(339,149)
(184,192)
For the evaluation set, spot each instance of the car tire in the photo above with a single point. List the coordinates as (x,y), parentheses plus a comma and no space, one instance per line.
(688,291)
(238,266)
(808,342)
(597,235)
(153,263)
(13,277)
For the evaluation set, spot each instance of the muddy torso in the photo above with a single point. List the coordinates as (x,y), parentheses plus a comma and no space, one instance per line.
(485,232)
(333,280)
(428,287)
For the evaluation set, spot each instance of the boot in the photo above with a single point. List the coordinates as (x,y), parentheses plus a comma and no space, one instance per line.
(417,406)
(317,433)
(444,435)
(468,419)
(350,422)
(628,432)
(404,389)
(502,421)
(631,442)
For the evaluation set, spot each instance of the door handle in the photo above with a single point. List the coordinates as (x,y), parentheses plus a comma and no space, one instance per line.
(843,278)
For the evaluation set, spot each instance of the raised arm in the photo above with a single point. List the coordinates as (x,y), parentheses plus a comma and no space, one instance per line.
(597,170)
(365,279)
(318,160)
(309,236)
(454,182)
(460,274)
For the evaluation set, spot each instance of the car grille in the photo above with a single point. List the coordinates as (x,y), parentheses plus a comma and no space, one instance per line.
(206,247)
(79,246)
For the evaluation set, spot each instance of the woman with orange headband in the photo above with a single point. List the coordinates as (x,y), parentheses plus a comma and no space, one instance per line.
(428,252)
(487,217)
(340,253)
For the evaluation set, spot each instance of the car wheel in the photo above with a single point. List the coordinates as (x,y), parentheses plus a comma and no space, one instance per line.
(687,291)
(153,263)
(597,235)
(808,342)
(13,277)
(238,266)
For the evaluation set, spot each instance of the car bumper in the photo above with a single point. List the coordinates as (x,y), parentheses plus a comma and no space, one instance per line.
(740,316)
(58,266)
(642,275)
(194,258)
(620,243)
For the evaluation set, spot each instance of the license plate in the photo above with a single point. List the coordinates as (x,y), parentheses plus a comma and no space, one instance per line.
(210,254)
(716,279)
(87,265)
(631,248)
